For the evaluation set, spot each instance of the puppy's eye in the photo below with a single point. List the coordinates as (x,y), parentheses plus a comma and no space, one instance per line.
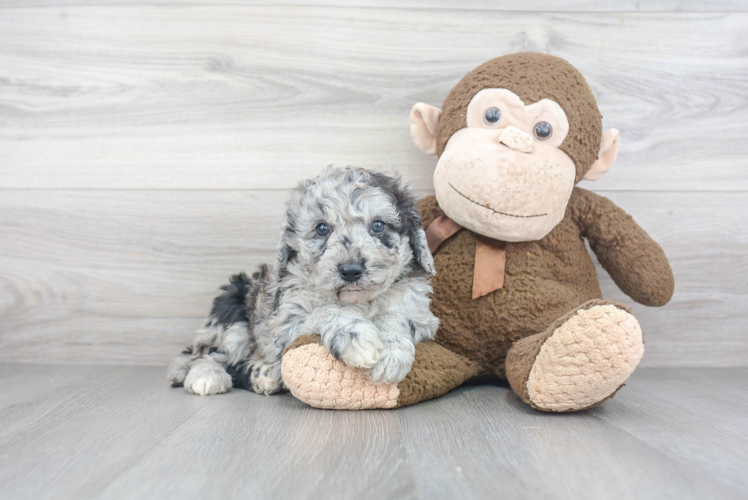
(542,130)
(323,229)
(493,115)
(377,226)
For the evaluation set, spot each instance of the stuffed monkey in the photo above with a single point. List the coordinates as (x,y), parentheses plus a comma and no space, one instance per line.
(516,291)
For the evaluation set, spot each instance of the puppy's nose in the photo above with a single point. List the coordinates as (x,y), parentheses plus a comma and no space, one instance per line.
(351,271)
(514,138)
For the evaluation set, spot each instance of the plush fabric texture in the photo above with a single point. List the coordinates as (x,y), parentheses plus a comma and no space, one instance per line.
(517,140)
(435,372)
(475,180)
(586,359)
(532,76)
(547,329)
(632,258)
(315,377)
(607,156)
(543,280)
(580,361)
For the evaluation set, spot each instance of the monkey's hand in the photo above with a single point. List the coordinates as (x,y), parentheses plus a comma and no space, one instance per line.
(632,258)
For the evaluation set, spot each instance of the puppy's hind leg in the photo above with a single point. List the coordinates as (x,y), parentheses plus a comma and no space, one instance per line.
(257,377)
(198,369)
(225,339)
(207,376)
(179,368)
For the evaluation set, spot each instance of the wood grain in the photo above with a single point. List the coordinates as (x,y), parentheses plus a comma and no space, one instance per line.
(460,440)
(123,274)
(679,414)
(106,432)
(144,148)
(498,5)
(256,97)
(127,276)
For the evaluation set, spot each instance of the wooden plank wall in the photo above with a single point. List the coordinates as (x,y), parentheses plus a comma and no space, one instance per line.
(145,149)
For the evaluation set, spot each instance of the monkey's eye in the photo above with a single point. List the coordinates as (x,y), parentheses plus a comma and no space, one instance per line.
(493,115)
(377,226)
(542,130)
(323,229)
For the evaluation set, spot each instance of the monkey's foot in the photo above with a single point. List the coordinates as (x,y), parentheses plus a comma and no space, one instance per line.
(580,361)
(315,377)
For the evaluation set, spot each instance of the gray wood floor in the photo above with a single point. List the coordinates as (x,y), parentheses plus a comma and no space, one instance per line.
(114,432)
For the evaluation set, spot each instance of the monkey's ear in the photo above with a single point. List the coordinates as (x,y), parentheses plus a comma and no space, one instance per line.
(424,121)
(606,157)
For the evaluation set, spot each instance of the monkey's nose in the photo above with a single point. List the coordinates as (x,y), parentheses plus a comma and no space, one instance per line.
(351,271)
(514,138)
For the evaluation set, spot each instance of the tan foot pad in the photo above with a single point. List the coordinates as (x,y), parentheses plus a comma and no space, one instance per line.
(586,359)
(315,377)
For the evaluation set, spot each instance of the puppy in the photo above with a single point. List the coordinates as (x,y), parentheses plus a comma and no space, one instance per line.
(353,266)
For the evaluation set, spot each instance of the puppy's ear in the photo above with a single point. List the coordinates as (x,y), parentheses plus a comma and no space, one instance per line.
(415,232)
(411,218)
(421,248)
(286,252)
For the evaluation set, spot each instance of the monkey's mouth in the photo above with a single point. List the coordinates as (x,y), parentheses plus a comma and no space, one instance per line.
(494,210)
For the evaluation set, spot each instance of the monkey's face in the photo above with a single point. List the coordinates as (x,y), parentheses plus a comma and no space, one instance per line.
(504,175)
(506,168)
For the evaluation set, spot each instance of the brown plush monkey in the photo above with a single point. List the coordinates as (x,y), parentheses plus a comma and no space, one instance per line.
(516,290)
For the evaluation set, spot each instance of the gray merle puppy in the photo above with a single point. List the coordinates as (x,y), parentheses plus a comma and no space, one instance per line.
(353,266)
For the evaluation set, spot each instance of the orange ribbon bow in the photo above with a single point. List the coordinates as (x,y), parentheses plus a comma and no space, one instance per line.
(490,255)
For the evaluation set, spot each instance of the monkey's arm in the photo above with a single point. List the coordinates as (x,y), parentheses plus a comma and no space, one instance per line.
(634,260)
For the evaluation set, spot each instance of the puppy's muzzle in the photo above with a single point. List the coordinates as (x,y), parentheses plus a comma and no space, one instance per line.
(351,272)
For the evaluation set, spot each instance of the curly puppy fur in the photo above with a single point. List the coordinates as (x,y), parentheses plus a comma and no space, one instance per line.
(363,286)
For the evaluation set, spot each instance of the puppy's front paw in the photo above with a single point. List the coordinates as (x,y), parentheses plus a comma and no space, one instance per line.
(207,381)
(395,363)
(358,345)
